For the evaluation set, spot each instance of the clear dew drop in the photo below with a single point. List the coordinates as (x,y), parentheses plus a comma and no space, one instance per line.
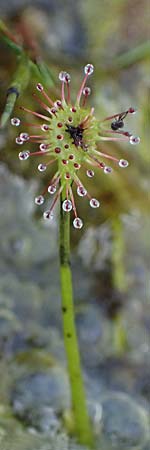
(77,223)
(123,163)
(81,191)
(51,189)
(39,87)
(15,121)
(90,173)
(42,167)
(62,75)
(24,155)
(89,69)
(67,205)
(48,215)
(108,169)
(39,200)
(94,203)
(43,147)
(134,140)
(67,78)
(86,91)
(19,141)
(24,136)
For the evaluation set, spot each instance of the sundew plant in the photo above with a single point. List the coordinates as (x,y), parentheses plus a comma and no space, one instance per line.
(70,135)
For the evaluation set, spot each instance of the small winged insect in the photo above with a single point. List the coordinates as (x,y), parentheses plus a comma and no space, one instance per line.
(119,122)
(76,134)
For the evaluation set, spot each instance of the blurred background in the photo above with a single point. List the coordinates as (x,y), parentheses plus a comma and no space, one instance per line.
(110,255)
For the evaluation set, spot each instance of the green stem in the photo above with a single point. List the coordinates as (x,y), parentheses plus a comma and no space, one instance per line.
(80,412)
(18,84)
(7,36)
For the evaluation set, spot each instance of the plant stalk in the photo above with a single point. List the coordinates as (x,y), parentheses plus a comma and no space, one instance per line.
(17,86)
(83,429)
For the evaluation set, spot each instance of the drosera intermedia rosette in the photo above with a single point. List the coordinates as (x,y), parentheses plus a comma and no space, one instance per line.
(68,134)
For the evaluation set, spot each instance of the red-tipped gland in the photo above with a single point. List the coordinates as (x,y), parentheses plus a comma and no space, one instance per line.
(77,166)
(65,162)
(127,133)
(58,104)
(71,157)
(53,111)
(57,150)
(67,176)
(59,124)
(44,127)
(60,137)
(132,110)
